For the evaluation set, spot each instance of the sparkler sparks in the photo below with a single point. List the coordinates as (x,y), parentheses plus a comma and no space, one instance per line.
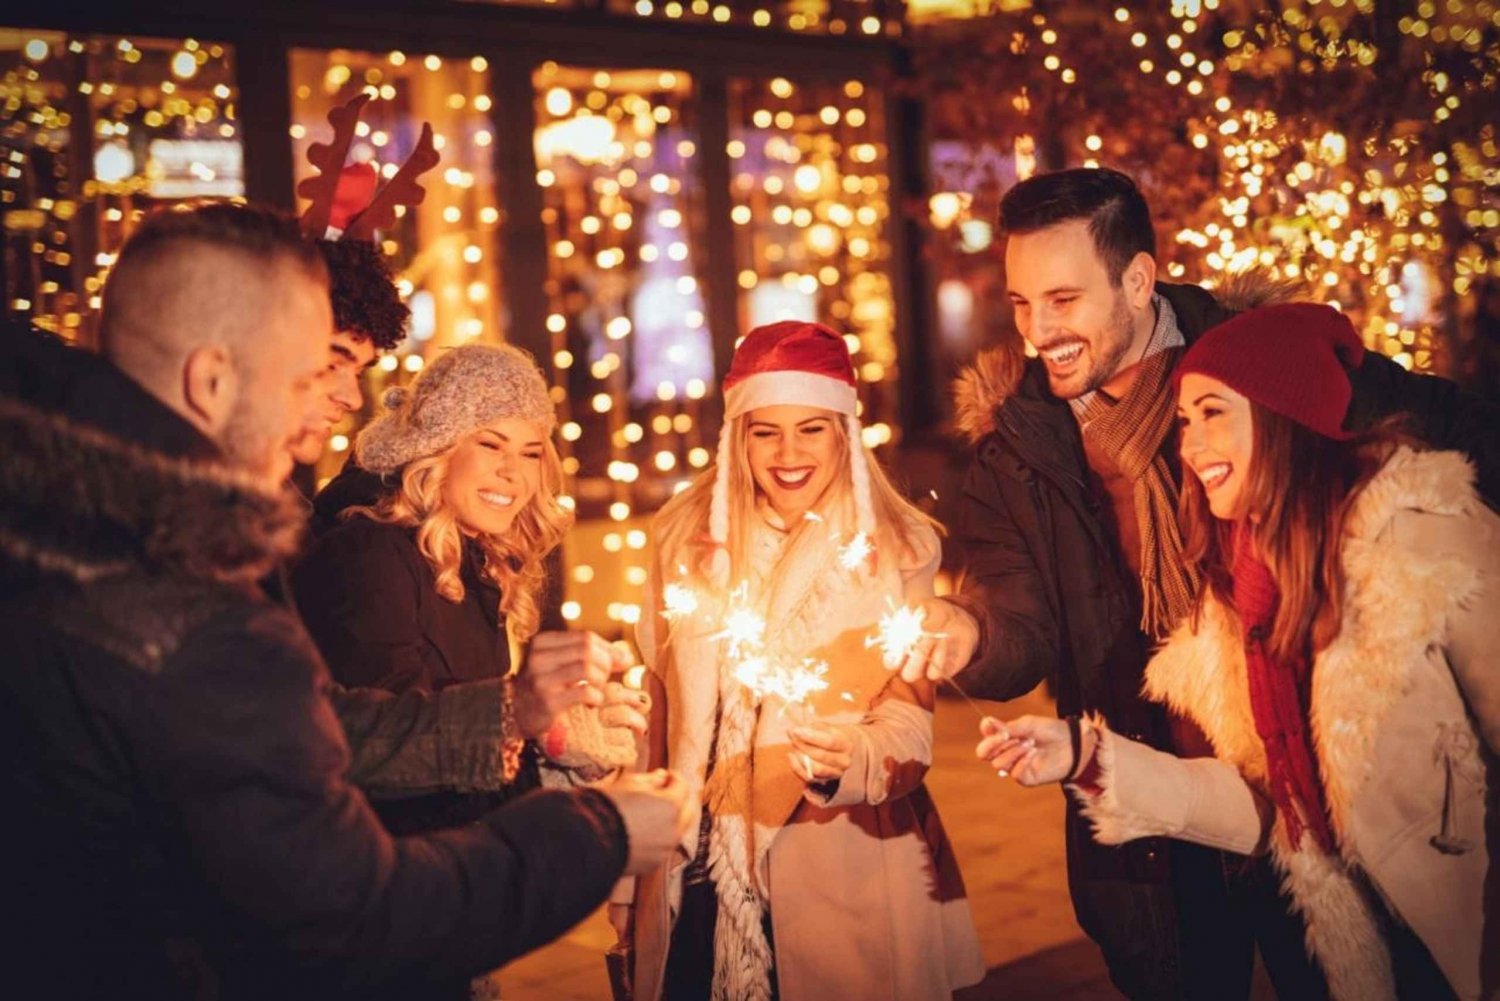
(854,554)
(898,633)
(793,683)
(744,628)
(679,600)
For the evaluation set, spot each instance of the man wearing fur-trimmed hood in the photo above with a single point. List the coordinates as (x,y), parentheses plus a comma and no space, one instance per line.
(1067,524)
(179,820)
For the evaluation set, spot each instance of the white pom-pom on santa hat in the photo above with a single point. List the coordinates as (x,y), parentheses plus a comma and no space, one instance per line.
(796,363)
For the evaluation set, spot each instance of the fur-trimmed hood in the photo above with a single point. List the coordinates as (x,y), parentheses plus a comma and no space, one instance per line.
(86,504)
(993,378)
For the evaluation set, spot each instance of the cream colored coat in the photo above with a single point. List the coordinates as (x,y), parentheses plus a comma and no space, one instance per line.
(1405,714)
(866,898)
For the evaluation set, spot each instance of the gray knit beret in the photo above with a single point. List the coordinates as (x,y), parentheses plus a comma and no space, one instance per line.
(461,390)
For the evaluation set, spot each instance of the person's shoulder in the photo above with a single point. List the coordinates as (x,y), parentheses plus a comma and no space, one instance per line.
(244,640)
(365,539)
(919,545)
(1424,502)
(361,554)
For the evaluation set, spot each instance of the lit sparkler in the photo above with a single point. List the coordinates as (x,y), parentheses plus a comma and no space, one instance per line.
(793,683)
(679,600)
(898,633)
(743,627)
(853,555)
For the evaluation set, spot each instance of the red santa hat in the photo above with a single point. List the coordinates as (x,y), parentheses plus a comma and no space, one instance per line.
(802,364)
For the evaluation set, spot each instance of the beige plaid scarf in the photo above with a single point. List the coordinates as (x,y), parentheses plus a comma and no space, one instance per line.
(1133,431)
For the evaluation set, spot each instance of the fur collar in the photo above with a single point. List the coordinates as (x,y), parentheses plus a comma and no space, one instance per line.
(996,373)
(85,504)
(1396,609)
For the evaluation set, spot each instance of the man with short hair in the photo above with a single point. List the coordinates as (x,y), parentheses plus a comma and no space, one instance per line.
(369,319)
(1067,522)
(178,821)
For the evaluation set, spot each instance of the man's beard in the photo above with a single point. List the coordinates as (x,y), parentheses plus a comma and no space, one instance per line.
(1112,345)
(249,446)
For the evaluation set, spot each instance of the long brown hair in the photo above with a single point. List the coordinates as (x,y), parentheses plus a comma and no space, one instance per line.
(1298,492)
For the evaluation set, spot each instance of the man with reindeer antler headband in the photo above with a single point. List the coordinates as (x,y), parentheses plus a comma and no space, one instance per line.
(344,218)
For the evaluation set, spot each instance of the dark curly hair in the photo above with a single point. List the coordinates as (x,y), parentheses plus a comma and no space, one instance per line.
(364,294)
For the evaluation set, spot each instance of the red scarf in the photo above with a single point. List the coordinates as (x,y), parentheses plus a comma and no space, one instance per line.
(1279,700)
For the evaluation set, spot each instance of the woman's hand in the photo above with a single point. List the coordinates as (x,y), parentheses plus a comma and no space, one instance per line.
(562,670)
(1034,750)
(625,707)
(822,752)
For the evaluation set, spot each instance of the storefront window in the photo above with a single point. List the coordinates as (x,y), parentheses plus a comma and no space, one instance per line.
(443,251)
(95,131)
(615,154)
(811,213)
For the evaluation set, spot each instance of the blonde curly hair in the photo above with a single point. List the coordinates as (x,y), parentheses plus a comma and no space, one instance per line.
(515,561)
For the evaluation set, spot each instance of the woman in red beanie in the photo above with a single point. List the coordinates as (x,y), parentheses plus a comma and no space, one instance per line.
(1341,659)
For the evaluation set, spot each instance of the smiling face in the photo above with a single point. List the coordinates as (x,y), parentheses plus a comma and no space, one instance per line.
(1217,434)
(794,453)
(1085,327)
(493,473)
(349,357)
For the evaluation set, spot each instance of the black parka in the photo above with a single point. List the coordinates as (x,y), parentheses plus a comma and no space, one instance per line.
(178,820)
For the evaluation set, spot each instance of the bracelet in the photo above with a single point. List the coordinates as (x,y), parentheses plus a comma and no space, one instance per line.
(1075,736)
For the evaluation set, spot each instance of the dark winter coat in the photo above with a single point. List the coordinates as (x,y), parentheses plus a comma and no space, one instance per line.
(178,821)
(369,600)
(1053,593)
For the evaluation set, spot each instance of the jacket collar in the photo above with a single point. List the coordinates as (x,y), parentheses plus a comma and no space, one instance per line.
(100,478)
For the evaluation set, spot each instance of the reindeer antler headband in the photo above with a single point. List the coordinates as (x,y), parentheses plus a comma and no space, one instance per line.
(328,159)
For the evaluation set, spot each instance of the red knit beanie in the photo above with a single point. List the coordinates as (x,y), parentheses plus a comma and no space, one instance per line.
(1293,359)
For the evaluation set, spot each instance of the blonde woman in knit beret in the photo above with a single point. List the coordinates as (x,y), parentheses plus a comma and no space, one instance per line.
(1342,660)
(819,868)
(430,581)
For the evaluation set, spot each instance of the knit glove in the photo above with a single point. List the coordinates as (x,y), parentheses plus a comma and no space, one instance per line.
(590,738)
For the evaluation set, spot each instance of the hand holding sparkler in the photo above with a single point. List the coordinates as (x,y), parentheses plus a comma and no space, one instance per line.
(901,633)
(824,751)
(947,639)
(1034,750)
(562,670)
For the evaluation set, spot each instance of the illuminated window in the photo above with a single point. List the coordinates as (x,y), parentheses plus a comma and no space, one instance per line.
(616,156)
(159,115)
(811,212)
(444,252)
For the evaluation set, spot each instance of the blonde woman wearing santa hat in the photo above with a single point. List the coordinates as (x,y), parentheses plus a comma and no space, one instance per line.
(819,868)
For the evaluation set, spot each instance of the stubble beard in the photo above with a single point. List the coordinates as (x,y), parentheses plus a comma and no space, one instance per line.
(248,445)
(1106,353)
